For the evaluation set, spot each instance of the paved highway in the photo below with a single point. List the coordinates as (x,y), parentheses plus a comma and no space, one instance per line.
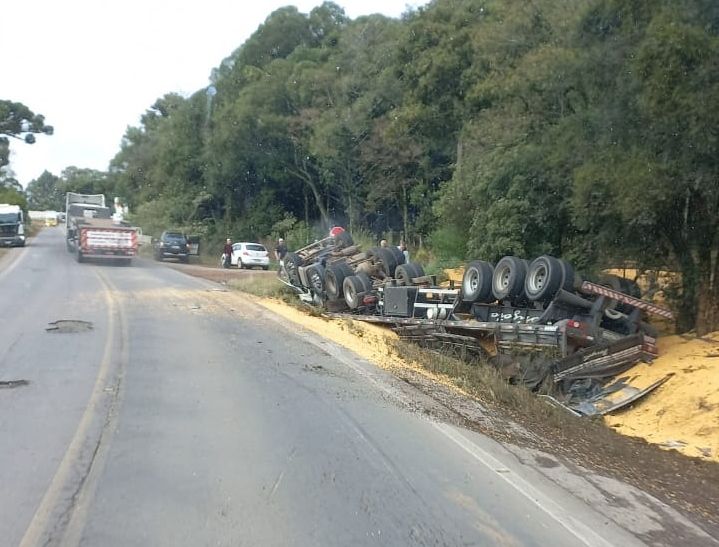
(178,415)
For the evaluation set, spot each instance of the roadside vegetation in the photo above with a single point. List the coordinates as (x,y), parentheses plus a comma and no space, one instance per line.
(263,285)
(471,129)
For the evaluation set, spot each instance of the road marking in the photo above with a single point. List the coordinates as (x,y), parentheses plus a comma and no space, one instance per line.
(581,531)
(72,534)
(39,532)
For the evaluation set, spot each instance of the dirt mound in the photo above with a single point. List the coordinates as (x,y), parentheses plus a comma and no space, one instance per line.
(684,412)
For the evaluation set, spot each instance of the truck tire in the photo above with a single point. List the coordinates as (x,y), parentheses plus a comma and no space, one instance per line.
(398,255)
(343,240)
(615,283)
(292,262)
(404,273)
(353,290)
(418,269)
(315,276)
(335,274)
(567,276)
(477,282)
(508,278)
(544,278)
(366,281)
(385,259)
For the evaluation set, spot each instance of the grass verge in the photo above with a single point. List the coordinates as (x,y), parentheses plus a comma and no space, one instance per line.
(265,286)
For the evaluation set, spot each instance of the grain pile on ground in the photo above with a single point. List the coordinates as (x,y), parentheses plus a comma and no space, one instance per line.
(684,412)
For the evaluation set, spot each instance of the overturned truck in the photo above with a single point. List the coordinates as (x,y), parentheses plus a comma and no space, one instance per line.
(539,322)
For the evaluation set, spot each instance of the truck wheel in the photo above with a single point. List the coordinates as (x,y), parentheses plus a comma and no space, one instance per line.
(292,262)
(544,278)
(508,278)
(344,240)
(353,290)
(404,274)
(398,255)
(477,282)
(567,276)
(417,267)
(366,281)
(385,259)
(315,277)
(335,275)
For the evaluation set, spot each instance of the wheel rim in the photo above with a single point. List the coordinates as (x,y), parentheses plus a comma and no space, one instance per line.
(502,278)
(537,279)
(350,295)
(473,280)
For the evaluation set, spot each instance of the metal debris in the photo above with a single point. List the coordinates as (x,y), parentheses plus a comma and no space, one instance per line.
(614,397)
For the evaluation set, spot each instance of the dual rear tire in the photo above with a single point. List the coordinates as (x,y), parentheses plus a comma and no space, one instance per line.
(515,279)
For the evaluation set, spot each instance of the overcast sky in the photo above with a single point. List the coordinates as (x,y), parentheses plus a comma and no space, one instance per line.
(92,67)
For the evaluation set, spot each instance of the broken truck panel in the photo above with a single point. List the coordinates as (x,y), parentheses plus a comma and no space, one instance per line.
(614,397)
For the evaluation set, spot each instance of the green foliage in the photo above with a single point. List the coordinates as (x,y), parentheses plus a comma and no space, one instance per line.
(19,122)
(46,193)
(12,196)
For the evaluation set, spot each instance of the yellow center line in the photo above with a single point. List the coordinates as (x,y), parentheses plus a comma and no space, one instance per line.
(40,529)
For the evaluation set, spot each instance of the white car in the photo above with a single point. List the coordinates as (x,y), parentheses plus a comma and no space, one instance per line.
(250,255)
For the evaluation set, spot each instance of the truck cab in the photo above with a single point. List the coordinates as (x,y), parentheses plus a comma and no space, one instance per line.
(12,226)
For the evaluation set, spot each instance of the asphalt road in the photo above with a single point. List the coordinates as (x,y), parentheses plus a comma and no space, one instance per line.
(188,416)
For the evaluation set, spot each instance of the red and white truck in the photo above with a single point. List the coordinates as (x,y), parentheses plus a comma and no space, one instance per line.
(92,231)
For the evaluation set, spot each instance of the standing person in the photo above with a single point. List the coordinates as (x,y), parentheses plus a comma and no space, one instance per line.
(280,251)
(402,247)
(227,253)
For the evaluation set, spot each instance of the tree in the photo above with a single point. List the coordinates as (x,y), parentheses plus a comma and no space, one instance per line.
(19,122)
(45,193)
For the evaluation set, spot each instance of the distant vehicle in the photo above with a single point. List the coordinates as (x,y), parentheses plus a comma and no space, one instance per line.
(249,255)
(172,245)
(51,222)
(12,226)
(91,232)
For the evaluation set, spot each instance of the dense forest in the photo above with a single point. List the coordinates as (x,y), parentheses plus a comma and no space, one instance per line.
(587,129)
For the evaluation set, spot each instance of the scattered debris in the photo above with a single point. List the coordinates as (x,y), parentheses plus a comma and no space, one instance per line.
(10,384)
(673,444)
(64,326)
(706,452)
(613,397)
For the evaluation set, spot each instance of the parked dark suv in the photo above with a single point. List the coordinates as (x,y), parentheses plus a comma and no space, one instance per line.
(172,245)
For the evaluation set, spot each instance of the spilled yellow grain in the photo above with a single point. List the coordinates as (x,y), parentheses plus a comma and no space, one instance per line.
(369,341)
(686,408)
